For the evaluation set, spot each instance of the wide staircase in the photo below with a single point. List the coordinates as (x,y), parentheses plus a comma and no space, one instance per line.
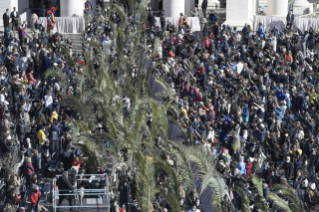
(76,41)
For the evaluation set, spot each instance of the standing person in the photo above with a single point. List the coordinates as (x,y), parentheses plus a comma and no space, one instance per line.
(204,7)
(125,190)
(28,170)
(6,20)
(64,183)
(290,19)
(88,5)
(21,33)
(289,168)
(35,198)
(14,18)
(49,22)
(53,9)
(151,19)
(43,11)
(260,31)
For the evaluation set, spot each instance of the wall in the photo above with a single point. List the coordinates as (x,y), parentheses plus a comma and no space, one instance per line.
(22,5)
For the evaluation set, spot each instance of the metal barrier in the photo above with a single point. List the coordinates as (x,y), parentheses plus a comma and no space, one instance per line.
(80,193)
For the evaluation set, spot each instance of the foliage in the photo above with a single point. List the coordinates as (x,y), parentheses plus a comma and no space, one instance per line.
(260,202)
(244,199)
(295,204)
(210,177)
(279,202)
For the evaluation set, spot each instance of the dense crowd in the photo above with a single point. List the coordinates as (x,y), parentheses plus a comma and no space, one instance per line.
(36,139)
(249,97)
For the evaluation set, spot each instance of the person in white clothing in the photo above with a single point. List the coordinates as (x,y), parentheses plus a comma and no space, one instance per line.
(3,99)
(48,103)
(194,209)
(239,67)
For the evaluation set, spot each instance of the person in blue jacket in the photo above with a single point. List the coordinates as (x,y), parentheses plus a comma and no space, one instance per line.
(280,92)
(241,166)
(260,31)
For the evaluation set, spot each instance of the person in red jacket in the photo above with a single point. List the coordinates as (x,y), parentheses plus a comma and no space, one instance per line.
(248,167)
(35,198)
(31,80)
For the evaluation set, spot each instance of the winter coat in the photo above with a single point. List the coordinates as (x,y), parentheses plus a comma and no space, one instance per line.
(35,198)
(248,167)
(28,169)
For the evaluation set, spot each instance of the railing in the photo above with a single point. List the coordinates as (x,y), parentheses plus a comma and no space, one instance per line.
(79,193)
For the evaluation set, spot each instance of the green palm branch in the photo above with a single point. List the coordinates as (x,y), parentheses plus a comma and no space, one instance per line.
(260,202)
(279,202)
(244,199)
(295,204)
(209,176)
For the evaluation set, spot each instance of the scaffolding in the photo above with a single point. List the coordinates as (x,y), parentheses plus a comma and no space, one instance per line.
(103,194)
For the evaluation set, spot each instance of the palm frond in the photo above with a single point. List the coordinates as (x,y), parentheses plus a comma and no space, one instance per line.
(206,171)
(279,202)
(261,203)
(244,199)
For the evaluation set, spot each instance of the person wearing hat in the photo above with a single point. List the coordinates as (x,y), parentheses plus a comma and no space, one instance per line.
(50,25)
(14,18)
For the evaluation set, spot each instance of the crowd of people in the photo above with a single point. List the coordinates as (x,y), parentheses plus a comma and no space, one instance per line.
(36,139)
(248,97)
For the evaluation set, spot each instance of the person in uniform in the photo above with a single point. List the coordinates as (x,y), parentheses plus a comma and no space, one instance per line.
(50,24)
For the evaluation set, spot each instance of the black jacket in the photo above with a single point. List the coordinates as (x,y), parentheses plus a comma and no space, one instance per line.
(290,19)
(12,16)
(63,183)
(6,19)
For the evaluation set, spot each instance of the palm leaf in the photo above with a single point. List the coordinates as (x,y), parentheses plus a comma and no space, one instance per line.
(279,202)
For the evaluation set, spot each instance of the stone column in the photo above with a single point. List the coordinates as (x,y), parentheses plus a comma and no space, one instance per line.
(311,7)
(72,7)
(238,13)
(7,4)
(277,8)
(173,8)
